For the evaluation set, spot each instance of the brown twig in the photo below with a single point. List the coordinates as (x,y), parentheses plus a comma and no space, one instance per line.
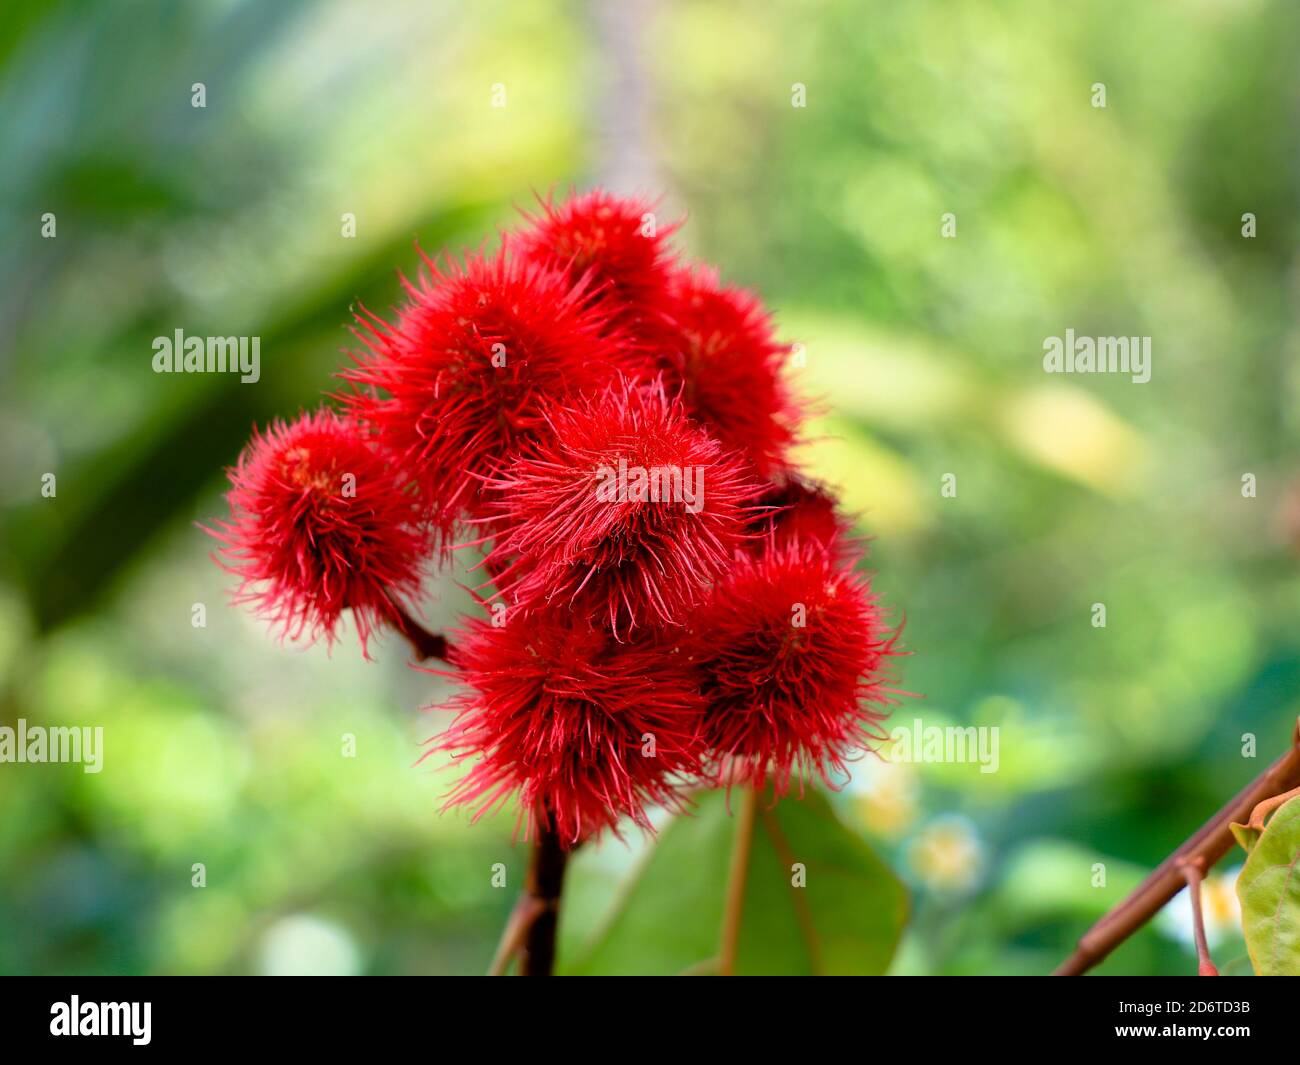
(1194,873)
(424,643)
(1207,846)
(1261,812)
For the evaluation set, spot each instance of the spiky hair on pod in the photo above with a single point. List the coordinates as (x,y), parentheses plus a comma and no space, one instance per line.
(794,653)
(582,729)
(320,522)
(729,363)
(460,379)
(625,511)
(620,245)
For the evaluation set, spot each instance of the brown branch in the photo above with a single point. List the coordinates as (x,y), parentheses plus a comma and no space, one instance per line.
(1207,846)
(734,904)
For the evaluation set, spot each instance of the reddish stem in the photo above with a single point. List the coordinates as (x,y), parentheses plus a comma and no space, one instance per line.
(1193,873)
(542,889)
(424,643)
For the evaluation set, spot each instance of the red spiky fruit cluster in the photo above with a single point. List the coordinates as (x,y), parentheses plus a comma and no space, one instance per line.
(672,602)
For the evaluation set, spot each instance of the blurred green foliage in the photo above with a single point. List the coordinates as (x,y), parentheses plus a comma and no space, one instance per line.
(225,748)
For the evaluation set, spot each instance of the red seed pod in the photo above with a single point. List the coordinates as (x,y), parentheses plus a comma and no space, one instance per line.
(320,523)
(460,380)
(729,364)
(619,244)
(582,729)
(625,512)
(802,511)
(792,648)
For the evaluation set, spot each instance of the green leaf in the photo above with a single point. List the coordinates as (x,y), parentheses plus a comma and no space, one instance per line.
(669,911)
(1269,890)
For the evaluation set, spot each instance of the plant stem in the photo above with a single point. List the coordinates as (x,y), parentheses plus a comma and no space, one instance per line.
(734,904)
(1193,873)
(424,643)
(542,889)
(1207,846)
(530,930)
(512,938)
(1261,812)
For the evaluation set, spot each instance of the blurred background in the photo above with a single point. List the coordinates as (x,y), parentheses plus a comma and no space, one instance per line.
(224,747)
